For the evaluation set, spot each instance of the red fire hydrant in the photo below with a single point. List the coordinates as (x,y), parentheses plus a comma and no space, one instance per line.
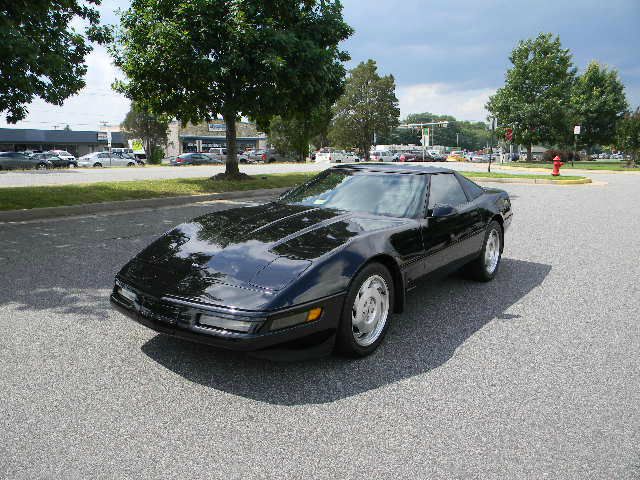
(556,166)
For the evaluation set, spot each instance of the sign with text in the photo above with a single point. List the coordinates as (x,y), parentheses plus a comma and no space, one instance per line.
(217,127)
(576,130)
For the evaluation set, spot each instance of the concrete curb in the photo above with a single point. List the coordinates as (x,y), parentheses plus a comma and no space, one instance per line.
(540,181)
(56,212)
(578,171)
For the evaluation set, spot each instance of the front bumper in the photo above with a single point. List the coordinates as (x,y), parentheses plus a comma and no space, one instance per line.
(180,318)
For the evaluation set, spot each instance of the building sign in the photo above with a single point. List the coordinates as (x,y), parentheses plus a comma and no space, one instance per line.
(217,127)
(102,137)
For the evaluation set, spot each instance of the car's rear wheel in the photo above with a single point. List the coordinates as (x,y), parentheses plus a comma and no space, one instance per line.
(97,165)
(485,267)
(72,165)
(366,311)
(41,166)
(131,164)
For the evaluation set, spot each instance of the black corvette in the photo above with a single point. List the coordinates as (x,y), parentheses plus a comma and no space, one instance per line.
(325,264)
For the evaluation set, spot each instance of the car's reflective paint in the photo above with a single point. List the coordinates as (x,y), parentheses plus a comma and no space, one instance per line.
(277,256)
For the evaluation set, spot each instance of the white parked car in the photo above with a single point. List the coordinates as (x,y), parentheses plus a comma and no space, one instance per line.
(63,154)
(381,156)
(105,159)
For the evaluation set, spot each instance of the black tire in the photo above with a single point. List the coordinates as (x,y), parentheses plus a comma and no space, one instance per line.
(41,166)
(478,269)
(346,343)
(97,165)
(131,164)
(72,165)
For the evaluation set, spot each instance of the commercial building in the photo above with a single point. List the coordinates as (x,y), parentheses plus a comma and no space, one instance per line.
(203,136)
(77,143)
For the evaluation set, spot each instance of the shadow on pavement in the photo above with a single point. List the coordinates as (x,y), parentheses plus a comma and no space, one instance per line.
(440,316)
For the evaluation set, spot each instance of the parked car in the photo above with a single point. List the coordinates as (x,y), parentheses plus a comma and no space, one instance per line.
(105,159)
(55,160)
(62,154)
(271,156)
(327,263)
(193,158)
(329,155)
(381,156)
(220,155)
(17,160)
(416,157)
(255,155)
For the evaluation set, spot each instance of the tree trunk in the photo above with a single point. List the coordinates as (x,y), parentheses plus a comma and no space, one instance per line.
(232,168)
(529,154)
(365,150)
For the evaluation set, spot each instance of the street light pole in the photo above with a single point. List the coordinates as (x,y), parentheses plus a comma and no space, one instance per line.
(493,130)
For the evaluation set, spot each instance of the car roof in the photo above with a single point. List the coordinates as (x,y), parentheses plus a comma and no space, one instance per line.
(393,168)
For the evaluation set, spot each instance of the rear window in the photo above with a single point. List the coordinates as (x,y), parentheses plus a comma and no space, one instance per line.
(472,189)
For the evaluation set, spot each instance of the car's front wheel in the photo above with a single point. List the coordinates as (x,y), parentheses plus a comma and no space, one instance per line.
(366,312)
(41,166)
(97,165)
(485,267)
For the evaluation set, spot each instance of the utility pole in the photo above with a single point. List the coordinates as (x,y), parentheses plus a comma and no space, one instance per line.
(457,140)
(493,131)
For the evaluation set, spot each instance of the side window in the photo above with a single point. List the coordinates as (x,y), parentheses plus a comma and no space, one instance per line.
(445,190)
(472,189)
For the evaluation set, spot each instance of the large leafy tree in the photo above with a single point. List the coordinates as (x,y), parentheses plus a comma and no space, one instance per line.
(197,59)
(535,100)
(368,106)
(628,135)
(599,102)
(40,54)
(150,128)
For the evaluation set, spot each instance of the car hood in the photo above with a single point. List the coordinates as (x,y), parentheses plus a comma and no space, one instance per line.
(242,257)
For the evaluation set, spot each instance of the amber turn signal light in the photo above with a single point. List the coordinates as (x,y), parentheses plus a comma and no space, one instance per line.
(314,314)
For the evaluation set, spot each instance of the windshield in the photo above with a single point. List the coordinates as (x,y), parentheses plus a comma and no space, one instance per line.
(389,194)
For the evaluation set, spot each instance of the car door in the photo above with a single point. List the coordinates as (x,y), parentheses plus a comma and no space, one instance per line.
(448,238)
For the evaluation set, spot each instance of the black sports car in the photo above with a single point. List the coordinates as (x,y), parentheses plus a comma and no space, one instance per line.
(327,263)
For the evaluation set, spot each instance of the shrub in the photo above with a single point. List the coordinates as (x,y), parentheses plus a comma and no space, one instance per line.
(156,156)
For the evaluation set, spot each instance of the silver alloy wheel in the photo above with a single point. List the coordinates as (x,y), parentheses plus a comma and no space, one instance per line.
(492,252)
(370,310)
(72,165)
(41,166)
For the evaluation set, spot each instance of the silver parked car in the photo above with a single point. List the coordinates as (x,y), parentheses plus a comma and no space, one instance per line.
(105,159)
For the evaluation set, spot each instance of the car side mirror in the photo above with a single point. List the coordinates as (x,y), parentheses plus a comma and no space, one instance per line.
(441,211)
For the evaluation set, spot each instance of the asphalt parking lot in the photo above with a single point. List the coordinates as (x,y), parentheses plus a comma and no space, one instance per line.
(535,375)
(63,176)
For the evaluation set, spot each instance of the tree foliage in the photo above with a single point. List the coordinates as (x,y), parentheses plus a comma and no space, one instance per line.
(40,54)
(598,102)
(293,135)
(628,134)
(150,128)
(535,100)
(368,106)
(197,59)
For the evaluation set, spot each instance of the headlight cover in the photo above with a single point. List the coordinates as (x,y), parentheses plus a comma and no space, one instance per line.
(234,325)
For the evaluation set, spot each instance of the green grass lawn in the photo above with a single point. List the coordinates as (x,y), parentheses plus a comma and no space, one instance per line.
(17,198)
(601,165)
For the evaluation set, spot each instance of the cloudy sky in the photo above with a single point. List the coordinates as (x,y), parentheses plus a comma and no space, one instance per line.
(447,57)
